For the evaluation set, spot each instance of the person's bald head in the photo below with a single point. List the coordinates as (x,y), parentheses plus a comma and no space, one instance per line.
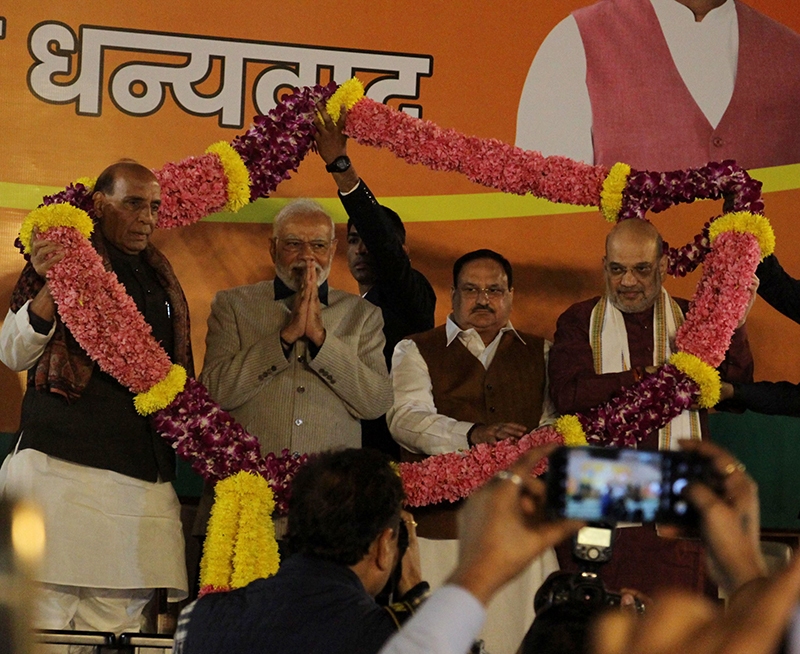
(634,265)
(123,168)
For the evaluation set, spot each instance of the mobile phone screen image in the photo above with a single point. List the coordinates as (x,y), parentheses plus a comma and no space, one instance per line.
(626,488)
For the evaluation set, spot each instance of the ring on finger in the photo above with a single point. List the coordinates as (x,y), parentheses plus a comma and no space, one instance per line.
(734,467)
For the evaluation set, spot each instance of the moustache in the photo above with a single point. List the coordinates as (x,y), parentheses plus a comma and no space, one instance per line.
(482,307)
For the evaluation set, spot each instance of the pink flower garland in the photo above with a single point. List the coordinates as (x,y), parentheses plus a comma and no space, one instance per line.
(453,476)
(190,190)
(488,162)
(721,297)
(102,317)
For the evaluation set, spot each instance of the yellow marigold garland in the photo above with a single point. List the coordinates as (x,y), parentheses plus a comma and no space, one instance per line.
(237,174)
(706,377)
(613,188)
(163,393)
(744,221)
(347,94)
(216,566)
(240,542)
(572,431)
(256,551)
(54,215)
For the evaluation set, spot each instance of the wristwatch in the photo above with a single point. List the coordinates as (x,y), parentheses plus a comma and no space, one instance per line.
(338,165)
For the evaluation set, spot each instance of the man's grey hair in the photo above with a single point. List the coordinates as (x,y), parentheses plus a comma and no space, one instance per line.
(300,207)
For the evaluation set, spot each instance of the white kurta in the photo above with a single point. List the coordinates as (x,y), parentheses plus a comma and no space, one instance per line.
(103,529)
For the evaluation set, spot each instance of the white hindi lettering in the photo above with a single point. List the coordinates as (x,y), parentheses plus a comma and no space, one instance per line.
(138,88)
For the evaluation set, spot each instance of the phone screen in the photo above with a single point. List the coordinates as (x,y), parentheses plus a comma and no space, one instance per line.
(627,488)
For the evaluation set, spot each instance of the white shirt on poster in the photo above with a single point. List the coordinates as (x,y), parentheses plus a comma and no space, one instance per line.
(555,114)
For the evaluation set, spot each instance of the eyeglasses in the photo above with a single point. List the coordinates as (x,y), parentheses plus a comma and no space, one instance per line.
(298,245)
(473,292)
(640,270)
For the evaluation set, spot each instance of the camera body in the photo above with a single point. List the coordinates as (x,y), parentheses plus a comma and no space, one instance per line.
(580,589)
(609,485)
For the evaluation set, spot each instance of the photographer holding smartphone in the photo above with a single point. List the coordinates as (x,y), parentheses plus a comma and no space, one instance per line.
(504,525)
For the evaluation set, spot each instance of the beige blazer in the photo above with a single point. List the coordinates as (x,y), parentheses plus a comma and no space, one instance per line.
(300,404)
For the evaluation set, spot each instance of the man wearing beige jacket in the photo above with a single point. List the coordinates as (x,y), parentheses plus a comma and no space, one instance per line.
(296,363)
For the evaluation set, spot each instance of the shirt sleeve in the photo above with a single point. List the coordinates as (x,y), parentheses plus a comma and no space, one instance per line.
(20,344)
(773,398)
(405,288)
(555,113)
(447,623)
(780,290)
(413,419)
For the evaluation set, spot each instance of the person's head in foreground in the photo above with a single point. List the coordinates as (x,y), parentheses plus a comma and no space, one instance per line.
(482,292)
(345,508)
(634,265)
(126,199)
(302,236)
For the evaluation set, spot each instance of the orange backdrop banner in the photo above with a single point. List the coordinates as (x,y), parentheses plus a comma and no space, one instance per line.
(86,84)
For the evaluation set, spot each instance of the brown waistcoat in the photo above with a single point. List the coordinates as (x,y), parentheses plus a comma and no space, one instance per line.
(511,390)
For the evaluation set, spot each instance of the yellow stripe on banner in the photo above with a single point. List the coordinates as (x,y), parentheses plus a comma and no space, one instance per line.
(24,196)
(422,208)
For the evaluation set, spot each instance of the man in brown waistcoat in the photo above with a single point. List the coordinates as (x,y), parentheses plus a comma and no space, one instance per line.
(473,380)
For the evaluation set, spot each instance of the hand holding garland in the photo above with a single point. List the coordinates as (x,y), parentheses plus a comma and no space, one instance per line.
(44,255)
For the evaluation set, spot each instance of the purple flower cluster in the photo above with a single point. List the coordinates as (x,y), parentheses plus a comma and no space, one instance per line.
(656,192)
(217,446)
(75,194)
(682,261)
(639,409)
(275,144)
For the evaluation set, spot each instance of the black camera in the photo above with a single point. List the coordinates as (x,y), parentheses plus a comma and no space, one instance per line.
(583,589)
(608,485)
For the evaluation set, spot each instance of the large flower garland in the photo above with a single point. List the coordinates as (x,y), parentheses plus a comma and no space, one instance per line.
(95,307)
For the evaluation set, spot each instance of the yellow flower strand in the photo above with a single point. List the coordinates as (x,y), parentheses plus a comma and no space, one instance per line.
(572,431)
(347,94)
(216,566)
(256,552)
(744,221)
(163,393)
(240,541)
(236,172)
(706,377)
(613,188)
(54,215)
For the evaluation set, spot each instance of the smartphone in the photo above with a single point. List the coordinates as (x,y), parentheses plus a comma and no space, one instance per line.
(608,485)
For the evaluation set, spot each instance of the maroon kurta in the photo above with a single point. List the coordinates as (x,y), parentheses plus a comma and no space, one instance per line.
(641,560)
